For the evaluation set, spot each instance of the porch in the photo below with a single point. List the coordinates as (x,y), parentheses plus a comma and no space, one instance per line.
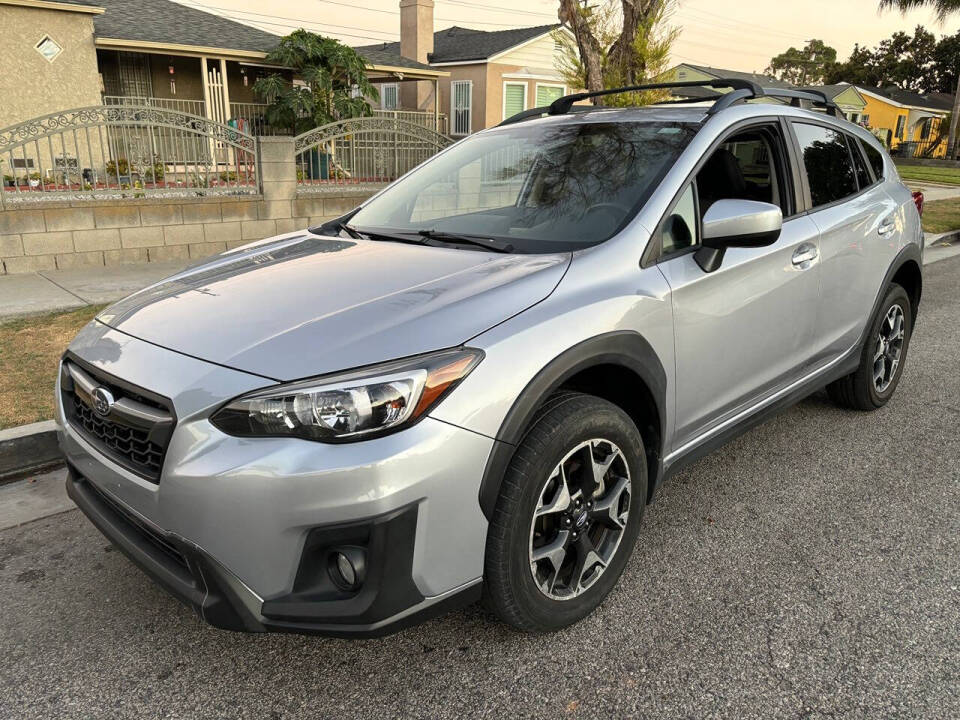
(221,89)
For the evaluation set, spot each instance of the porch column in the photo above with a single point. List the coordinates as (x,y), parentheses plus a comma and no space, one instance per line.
(208,106)
(436,104)
(226,90)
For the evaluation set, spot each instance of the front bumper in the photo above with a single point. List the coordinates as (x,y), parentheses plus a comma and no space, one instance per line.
(387,602)
(240,528)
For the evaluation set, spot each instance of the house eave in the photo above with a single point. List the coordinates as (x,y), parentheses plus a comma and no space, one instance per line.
(408,73)
(178,49)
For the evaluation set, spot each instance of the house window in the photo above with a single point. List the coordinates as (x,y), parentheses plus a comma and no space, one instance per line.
(49,48)
(901,121)
(514,99)
(546,94)
(23,163)
(389,96)
(461,106)
(925,128)
(865,119)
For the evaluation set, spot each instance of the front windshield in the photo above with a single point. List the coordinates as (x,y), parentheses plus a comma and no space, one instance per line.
(542,187)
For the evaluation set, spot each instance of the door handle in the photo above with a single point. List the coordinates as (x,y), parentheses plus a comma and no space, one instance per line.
(886,226)
(804,256)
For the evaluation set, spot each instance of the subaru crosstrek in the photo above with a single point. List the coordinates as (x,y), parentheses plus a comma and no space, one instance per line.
(472,385)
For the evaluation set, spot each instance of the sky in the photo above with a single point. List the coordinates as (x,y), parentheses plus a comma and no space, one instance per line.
(741,35)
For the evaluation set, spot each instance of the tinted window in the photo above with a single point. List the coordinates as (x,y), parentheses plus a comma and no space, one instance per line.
(680,226)
(830,172)
(863,175)
(875,158)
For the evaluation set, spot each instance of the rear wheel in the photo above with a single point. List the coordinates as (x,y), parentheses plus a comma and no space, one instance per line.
(568,514)
(883,356)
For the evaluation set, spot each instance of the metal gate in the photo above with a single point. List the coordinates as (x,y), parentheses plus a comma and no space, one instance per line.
(363,150)
(124,151)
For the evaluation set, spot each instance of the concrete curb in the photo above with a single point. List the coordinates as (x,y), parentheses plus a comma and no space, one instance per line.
(28,447)
(947,237)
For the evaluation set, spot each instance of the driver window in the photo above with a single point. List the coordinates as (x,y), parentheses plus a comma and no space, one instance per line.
(680,226)
(746,166)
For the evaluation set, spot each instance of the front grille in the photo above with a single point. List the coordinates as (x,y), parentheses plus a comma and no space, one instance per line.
(135,430)
(131,443)
(144,530)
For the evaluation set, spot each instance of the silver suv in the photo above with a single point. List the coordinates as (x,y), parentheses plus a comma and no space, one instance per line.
(472,385)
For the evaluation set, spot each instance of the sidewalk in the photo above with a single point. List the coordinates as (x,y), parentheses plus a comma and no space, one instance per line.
(50,290)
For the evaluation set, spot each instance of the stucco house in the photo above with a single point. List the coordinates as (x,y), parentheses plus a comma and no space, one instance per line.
(909,123)
(492,74)
(73,53)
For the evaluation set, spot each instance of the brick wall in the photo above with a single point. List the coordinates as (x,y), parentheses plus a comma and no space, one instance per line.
(64,235)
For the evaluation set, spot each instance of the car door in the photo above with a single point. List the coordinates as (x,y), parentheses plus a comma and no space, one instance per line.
(742,331)
(858,233)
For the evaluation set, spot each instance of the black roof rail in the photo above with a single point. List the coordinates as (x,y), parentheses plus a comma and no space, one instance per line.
(741,90)
(562,105)
(816,97)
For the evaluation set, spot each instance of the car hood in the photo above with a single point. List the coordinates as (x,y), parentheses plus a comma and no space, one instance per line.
(302,305)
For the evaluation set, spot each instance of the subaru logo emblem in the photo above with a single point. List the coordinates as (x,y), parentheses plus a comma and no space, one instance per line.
(581,519)
(102,401)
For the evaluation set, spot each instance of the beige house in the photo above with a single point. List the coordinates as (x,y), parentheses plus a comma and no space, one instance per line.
(492,74)
(73,53)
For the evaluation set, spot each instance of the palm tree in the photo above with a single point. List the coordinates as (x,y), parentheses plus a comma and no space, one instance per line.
(335,77)
(943,8)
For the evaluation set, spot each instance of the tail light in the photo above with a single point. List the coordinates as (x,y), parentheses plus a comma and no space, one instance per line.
(918,201)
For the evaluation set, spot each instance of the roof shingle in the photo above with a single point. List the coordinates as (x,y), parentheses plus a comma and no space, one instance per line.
(164,21)
(459,44)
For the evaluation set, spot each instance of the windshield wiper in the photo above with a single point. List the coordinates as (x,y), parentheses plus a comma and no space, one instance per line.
(480,240)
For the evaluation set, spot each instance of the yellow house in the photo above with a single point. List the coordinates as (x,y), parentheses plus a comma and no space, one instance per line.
(911,124)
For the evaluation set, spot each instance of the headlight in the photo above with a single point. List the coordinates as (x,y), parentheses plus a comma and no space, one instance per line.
(349,406)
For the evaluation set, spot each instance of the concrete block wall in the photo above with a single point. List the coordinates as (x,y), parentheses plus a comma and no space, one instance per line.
(62,235)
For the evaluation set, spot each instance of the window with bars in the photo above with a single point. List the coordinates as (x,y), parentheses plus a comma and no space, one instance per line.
(461,106)
(389,95)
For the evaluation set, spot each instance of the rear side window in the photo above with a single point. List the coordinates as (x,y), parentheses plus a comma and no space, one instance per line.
(863,175)
(875,158)
(829,168)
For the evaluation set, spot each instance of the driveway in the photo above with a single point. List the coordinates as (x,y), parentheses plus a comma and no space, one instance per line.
(809,569)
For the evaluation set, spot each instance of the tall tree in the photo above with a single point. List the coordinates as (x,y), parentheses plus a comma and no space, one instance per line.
(943,8)
(335,77)
(615,44)
(804,66)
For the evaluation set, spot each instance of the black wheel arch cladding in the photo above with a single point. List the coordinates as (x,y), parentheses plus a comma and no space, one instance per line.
(625,349)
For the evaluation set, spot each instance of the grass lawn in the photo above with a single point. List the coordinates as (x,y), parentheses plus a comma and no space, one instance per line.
(941,215)
(29,351)
(922,173)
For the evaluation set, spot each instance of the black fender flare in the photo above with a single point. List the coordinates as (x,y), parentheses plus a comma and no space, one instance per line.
(624,347)
(908,253)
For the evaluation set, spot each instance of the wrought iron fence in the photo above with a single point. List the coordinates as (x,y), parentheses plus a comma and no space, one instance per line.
(423,119)
(124,151)
(363,150)
(921,149)
(193,107)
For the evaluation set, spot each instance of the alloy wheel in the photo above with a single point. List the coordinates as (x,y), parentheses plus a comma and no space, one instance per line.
(889,348)
(579,520)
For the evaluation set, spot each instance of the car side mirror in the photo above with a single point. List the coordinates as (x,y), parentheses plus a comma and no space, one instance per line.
(736,223)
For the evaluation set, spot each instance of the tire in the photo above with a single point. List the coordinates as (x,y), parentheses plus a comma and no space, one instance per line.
(584,432)
(862,390)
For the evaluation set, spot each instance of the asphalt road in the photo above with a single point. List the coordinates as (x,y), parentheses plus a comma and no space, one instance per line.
(809,569)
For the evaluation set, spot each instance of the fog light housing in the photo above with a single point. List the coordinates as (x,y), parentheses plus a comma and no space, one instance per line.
(347,567)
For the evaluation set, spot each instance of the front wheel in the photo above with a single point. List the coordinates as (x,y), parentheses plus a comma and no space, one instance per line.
(568,514)
(883,357)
